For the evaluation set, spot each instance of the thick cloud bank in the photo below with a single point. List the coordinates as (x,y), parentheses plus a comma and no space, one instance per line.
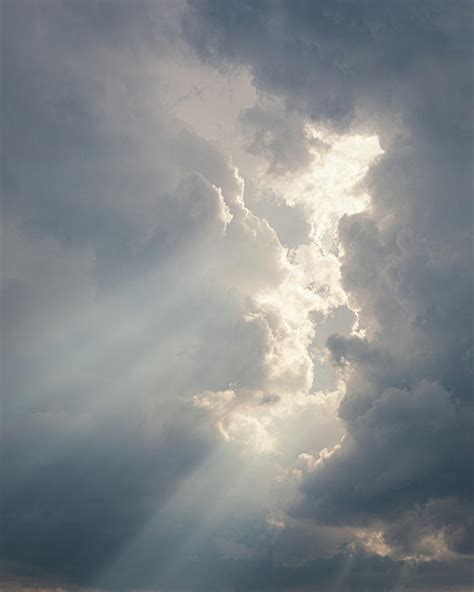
(170,314)
(404,71)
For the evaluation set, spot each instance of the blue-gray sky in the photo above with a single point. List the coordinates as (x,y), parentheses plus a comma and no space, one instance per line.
(236,296)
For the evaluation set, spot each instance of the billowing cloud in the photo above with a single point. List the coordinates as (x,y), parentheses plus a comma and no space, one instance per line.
(237,339)
(390,70)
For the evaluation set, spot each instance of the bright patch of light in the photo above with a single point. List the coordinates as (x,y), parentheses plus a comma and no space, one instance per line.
(328,188)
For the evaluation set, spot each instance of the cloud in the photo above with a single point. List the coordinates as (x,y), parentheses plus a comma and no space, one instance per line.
(164,361)
(135,279)
(388,70)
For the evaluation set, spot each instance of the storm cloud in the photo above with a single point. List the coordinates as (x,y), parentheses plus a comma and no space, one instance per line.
(237,338)
(402,70)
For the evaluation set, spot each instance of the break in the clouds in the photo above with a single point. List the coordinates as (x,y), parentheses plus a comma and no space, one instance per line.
(237,295)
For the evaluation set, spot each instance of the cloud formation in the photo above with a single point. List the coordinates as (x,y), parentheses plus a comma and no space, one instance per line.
(405,262)
(168,319)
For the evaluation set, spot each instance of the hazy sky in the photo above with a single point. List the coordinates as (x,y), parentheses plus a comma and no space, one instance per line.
(237,293)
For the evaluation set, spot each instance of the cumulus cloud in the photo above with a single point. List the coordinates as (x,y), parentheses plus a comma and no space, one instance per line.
(169,417)
(386,69)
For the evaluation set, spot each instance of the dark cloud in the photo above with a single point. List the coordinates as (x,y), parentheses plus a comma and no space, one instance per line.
(76,488)
(131,327)
(403,71)
(349,571)
(331,58)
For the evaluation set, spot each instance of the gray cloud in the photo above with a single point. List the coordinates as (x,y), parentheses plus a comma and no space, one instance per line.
(130,269)
(116,305)
(131,326)
(402,71)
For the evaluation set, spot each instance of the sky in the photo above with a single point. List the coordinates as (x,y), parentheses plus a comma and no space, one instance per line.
(236,296)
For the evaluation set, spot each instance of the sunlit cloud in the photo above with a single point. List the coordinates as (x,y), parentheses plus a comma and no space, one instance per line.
(236,296)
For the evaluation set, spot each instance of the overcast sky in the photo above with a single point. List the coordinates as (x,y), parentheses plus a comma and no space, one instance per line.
(236,295)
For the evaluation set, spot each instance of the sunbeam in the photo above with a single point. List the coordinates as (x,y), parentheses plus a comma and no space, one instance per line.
(236,296)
